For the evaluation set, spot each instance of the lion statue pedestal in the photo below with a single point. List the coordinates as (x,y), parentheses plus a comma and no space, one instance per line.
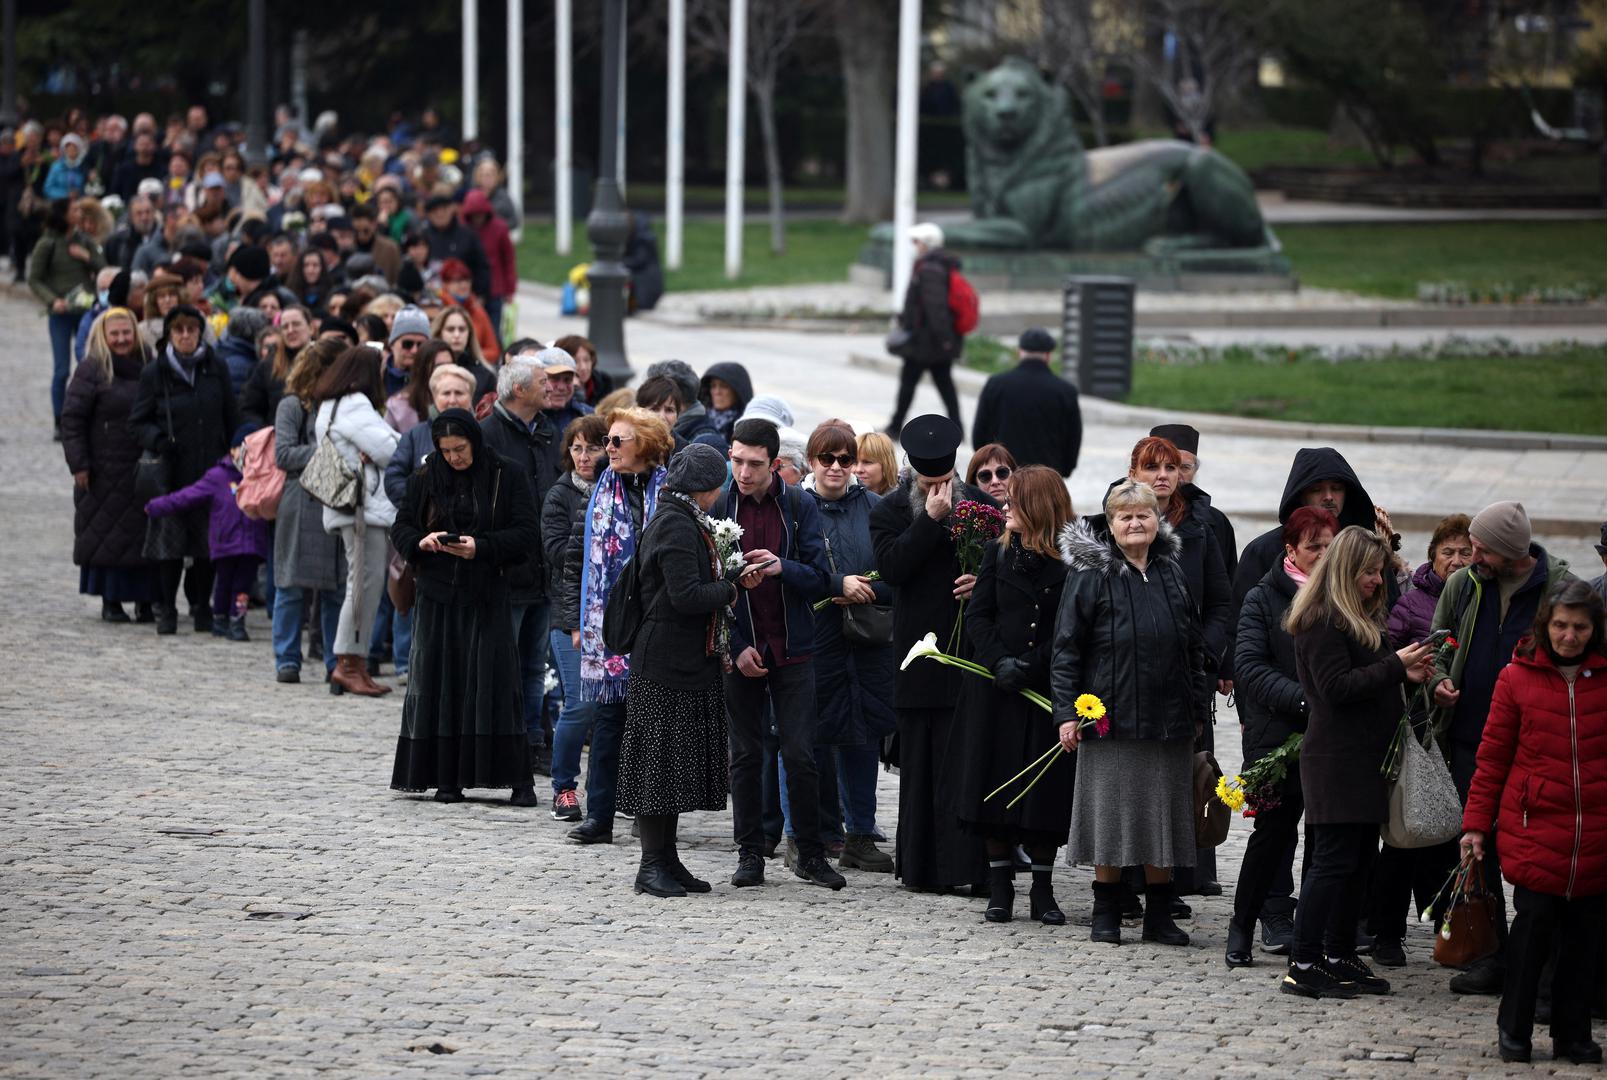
(1169,213)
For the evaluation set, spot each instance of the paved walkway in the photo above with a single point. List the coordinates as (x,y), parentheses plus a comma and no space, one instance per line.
(205,875)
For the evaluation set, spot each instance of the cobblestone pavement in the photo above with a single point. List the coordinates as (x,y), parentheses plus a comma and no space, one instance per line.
(204,874)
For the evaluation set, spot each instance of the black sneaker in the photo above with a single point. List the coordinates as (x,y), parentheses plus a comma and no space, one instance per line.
(1353,969)
(750,869)
(1484,977)
(566,806)
(1387,952)
(817,871)
(1316,981)
(1277,933)
(288,675)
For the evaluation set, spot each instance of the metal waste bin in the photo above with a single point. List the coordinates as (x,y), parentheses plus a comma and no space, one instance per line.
(1096,352)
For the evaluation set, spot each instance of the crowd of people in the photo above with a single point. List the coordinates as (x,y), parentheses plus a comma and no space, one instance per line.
(297,391)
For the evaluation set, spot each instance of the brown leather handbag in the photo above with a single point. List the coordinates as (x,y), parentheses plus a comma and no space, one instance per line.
(1468,932)
(400,582)
(1211,815)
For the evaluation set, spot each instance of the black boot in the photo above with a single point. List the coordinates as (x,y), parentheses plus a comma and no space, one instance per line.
(167,620)
(144,613)
(202,618)
(1001,891)
(1044,907)
(111,612)
(654,878)
(677,869)
(1241,943)
(1107,912)
(1158,924)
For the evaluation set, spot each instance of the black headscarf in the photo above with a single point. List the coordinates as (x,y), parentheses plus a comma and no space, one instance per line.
(458,497)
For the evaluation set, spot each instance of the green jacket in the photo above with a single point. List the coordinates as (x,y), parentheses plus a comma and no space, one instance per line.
(52,273)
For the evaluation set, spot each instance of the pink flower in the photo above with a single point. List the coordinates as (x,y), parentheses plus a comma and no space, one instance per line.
(614,665)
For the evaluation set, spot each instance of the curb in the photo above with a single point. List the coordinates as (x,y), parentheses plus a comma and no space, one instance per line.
(1114,412)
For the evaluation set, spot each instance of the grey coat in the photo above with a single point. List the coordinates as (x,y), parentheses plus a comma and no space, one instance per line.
(304,556)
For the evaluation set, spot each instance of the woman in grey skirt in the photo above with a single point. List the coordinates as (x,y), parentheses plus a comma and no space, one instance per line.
(1128,633)
(673,758)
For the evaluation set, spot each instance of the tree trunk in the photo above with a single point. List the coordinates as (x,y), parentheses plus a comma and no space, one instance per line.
(764,95)
(867,32)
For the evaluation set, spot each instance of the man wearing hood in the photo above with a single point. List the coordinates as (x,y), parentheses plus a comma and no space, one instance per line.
(725,391)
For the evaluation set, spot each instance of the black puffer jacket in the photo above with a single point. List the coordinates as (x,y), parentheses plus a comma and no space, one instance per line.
(926,314)
(108,523)
(561,523)
(1131,638)
(1272,706)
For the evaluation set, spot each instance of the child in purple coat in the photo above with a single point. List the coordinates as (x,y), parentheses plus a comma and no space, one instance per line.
(238,544)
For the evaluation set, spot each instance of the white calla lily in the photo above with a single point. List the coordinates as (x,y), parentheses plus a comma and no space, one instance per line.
(927,646)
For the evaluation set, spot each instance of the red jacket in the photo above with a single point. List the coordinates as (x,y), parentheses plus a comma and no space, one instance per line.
(1542,776)
(497,241)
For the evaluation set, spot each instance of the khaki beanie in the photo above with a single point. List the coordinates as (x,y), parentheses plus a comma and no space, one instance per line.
(1503,527)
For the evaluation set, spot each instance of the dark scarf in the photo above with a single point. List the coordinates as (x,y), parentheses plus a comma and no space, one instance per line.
(1025,562)
(457,497)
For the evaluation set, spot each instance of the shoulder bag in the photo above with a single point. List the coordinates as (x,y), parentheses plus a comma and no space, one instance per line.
(1424,808)
(153,472)
(327,477)
(1468,930)
(863,624)
(1212,817)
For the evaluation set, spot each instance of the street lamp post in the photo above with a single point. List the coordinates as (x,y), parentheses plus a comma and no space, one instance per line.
(608,225)
(257,82)
(8,80)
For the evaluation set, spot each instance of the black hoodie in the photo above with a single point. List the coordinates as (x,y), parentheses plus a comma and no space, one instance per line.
(1311,464)
(736,377)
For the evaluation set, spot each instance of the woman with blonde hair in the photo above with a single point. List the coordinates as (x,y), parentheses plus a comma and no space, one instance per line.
(877,467)
(1352,680)
(108,521)
(1010,622)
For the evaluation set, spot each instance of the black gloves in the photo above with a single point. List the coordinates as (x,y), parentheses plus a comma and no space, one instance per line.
(1012,674)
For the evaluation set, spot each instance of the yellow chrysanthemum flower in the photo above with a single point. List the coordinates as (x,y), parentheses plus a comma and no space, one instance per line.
(1230,793)
(1089,707)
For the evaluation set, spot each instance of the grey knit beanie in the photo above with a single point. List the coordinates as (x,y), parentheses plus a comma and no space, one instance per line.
(695,468)
(1503,527)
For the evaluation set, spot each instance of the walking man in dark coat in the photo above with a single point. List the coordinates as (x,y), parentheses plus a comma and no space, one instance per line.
(1031,410)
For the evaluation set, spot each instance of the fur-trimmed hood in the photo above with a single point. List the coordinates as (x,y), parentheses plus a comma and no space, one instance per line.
(1084,548)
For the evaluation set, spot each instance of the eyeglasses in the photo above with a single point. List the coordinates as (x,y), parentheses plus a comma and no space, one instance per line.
(844,460)
(617,441)
(985,476)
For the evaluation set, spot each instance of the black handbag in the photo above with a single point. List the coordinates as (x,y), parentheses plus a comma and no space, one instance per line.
(863,624)
(153,472)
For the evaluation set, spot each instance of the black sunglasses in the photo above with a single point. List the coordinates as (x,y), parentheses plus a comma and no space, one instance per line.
(844,460)
(985,476)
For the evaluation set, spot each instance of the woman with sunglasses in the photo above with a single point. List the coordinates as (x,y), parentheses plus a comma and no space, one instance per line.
(854,661)
(990,470)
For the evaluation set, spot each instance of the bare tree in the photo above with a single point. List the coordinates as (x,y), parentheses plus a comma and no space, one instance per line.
(1208,53)
(773,27)
(1075,46)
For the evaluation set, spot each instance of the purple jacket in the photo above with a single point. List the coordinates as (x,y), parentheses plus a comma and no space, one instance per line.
(1412,617)
(229,532)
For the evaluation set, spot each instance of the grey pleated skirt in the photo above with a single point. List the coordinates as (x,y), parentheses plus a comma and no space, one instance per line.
(1133,803)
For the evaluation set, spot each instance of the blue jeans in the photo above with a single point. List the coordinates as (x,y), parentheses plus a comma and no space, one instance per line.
(602,771)
(574,722)
(62,329)
(391,625)
(530,638)
(288,606)
(857,768)
(831,821)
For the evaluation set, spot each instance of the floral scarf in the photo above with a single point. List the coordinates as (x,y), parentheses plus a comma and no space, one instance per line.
(610,542)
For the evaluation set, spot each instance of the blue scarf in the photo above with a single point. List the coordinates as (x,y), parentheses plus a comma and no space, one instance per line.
(610,542)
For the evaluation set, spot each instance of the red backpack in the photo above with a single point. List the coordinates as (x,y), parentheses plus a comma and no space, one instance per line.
(963,303)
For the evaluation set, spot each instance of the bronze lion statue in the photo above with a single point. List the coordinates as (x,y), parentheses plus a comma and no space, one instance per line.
(1033,185)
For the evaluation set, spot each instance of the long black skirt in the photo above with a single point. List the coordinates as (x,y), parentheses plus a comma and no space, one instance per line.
(674,757)
(463,717)
(998,734)
(931,852)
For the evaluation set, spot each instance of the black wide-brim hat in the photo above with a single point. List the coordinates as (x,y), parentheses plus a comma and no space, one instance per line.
(930,442)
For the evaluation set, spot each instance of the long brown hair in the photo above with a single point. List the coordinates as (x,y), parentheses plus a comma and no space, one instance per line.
(419,394)
(1579,594)
(309,366)
(1041,507)
(355,371)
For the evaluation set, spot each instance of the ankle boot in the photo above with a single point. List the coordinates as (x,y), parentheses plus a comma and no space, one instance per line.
(370,687)
(167,620)
(684,877)
(350,678)
(1158,924)
(1044,907)
(1001,891)
(112,612)
(654,878)
(144,613)
(1108,912)
(237,629)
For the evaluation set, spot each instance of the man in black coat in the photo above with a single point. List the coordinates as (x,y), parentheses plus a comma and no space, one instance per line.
(518,431)
(449,238)
(915,555)
(1031,410)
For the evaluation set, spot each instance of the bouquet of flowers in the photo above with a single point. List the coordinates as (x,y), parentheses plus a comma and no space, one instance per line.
(1256,790)
(1392,756)
(726,534)
(973,526)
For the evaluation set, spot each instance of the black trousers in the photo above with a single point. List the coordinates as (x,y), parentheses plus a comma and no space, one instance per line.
(197,583)
(1268,853)
(1539,923)
(791,690)
(910,376)
(1402,875)
(1331,891)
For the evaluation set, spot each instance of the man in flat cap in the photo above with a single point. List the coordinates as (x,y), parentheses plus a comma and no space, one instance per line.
(1031,409)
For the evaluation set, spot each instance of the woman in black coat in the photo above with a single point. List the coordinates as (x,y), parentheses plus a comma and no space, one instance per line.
(1272,707)
(1010,621)
(915,555)
(108,524)
(934,343)
(1353,683)
(1129,634)
(463,717)
(673,757)
(186,412)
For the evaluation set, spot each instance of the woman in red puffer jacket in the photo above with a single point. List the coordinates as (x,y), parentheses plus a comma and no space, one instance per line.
(1541,785)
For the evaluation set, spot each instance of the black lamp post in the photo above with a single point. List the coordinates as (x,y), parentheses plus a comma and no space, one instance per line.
(608,225)
(8,80)
(256,81)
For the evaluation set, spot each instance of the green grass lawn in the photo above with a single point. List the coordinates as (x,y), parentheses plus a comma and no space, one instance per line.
(1564,390)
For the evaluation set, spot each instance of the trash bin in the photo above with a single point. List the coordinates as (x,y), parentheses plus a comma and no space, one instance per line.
(1096,352)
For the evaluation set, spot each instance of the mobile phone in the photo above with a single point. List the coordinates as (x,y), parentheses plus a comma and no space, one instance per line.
(1437,638)
(746,570)
(449,538)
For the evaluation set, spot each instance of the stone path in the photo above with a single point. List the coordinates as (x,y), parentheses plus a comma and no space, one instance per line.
(204,874)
